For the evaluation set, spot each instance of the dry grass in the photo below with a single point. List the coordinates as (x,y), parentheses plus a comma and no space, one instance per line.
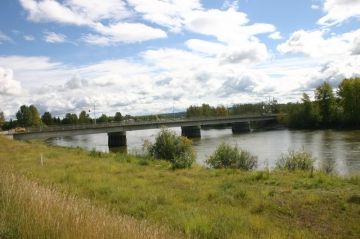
(32,211)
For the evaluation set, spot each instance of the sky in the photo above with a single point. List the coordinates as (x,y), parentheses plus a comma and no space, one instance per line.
(143,57)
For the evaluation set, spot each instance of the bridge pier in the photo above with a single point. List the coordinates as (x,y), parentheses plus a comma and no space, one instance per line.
(117,139)
(241,127)
(191,131)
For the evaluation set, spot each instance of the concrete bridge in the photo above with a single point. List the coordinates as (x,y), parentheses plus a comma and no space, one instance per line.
(117,130)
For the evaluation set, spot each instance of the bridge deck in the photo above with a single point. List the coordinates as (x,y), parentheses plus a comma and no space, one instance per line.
(71,130)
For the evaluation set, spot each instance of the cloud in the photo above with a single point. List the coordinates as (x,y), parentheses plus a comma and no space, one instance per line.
(170,14)
(76,83)
(205,47)
(316,44)
(29,38)
(52,37)
(355,49)
(230,4)
(4,37)
(230,28)
(106,18)
(96,10)
(238,84)
(315,7)
(337,11)
(127,33)
(50,10)
(334,72)
(275,36)
(254,52)
(9,86)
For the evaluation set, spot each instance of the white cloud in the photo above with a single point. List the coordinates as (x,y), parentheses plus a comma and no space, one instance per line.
(205,47)
(107,18)
(53,37)
(168,13)
(4,38)
(129,32)
(275,36)
(315,44)
(315,7)
(338,11)
(29,37)
(254,52)
(50,10)
(335,71)
(230,4)
(97,10)
(9,86)
(230,28)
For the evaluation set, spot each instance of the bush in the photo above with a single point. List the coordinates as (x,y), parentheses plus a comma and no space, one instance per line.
(176,149)
(300,160)
(227,156)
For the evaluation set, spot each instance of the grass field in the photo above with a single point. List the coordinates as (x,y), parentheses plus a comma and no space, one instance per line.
(117,196)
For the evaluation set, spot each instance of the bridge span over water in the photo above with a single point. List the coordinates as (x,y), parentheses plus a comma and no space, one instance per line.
(117,130)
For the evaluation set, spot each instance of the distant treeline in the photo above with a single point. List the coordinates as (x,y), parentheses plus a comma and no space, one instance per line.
(29,116)
(206,110)
(329,109)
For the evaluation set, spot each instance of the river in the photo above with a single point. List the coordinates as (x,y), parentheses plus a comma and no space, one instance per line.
(341,149)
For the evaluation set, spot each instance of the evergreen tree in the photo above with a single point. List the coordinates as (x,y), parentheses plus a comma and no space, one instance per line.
(24,116)
(325,98)
(47,119)
(118,117)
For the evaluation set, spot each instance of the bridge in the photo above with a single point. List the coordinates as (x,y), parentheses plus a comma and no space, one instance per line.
(117,130)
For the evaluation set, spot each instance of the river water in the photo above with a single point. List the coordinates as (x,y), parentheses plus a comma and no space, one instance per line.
(341,149)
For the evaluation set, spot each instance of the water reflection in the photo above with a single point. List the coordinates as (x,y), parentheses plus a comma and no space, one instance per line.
(338,148)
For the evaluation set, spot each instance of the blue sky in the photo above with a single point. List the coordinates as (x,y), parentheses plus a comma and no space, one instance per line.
(144,56)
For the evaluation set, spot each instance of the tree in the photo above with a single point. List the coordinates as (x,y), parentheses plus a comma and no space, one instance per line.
(118,117)
(349,93)
(102,119)
(309,114)
(46,118)
(84,118)
(221,111)
(325,98)
(2,119)
(35,116)
(70,119)
(24,116)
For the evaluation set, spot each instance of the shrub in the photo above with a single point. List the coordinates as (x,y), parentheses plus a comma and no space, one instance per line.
(176,149)
(227,156)
(296,160)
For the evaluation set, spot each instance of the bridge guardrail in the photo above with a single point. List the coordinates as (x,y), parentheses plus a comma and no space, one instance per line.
(134,123)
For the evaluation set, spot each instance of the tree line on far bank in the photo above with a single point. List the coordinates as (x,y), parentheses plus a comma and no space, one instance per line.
(29,116)
(206,110)
(329,109)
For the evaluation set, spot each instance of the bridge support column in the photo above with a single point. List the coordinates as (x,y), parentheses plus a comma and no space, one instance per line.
(242,127)
(117,139)
(191,131)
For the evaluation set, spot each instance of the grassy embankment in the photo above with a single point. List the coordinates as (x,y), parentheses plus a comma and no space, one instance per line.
(77,194)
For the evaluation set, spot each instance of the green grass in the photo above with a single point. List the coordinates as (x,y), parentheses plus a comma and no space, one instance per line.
(197,202)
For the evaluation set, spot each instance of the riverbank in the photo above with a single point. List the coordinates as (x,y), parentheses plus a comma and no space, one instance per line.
(197,202)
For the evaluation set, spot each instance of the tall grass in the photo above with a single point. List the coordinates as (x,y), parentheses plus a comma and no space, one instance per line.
(196,202)
(32,211)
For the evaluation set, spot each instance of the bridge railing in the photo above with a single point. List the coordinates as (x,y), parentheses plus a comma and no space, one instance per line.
(135,123)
